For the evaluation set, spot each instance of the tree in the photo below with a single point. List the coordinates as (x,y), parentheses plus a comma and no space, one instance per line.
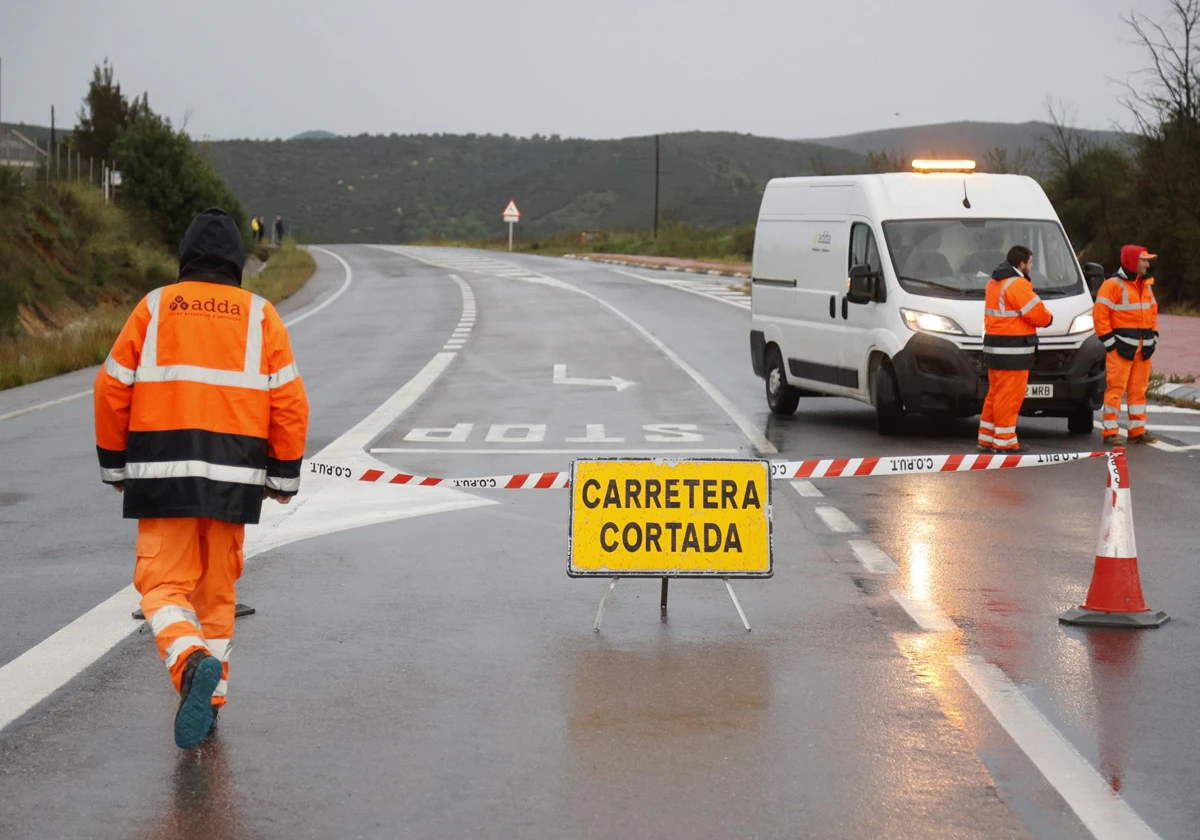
(1022,161)
(105,113)
(167,179)
(890,161)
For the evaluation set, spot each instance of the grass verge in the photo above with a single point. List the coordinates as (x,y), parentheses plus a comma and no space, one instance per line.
(286,271)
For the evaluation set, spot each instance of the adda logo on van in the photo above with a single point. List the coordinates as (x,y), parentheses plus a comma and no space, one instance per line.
(212,306)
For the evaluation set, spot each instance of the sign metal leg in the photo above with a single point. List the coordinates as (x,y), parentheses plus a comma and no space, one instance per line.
(662,601)
(603,603)
(733,595)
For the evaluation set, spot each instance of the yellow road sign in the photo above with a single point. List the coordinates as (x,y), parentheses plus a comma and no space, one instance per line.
(647,518)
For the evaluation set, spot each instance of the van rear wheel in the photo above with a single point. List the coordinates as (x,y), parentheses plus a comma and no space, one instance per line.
(889,409)
(782,398)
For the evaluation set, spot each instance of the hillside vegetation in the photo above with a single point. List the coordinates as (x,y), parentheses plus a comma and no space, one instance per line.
(394,189)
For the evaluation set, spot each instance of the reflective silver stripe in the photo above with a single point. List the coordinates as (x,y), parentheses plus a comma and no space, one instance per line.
(1137,424)
(118,371)
(177,648)
(1001,313)
(1134,341)
(1009,351)
(112,475)
(254,336)
(283,376)
(195,469)
(1006,430)
(983,424)
(222,687)
(203,375)
(1103,301)
(1111,341)
(986,439)
(1137,409)
(149,356)
(1149,341)
(1111,424)
(1029,306)
(172,614)
(283,485)
(221,648)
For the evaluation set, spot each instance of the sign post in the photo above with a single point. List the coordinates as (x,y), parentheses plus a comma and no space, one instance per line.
(665,519)
(512,215)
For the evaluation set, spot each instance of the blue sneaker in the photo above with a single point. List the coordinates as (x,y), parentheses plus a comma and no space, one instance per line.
(195,716)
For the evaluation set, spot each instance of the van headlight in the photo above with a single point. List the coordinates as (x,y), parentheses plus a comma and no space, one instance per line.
(928,322)
(1082,323)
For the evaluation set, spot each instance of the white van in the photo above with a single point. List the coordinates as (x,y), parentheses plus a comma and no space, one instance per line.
(872,287)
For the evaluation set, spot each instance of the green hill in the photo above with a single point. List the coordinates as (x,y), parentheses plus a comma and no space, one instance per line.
(393,189)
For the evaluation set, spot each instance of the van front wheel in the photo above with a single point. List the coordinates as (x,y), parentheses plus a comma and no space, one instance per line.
(889,410)
(1081,421)
(782,398)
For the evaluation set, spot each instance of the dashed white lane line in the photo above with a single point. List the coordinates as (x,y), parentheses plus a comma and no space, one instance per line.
(741,302)
(928,615)
(873,557)
(1105,814)
(807,489)
(30,409)
(836,520)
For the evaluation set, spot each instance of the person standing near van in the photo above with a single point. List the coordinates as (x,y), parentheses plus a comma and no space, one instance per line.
(200,415)
(1012,314)
(1126,318)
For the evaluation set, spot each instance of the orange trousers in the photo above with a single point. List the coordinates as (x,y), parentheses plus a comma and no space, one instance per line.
(1126,376)
(187,572)
(998,423)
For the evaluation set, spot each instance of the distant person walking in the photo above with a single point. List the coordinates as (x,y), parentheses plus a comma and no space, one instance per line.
(262,229)
(254,230)
(279,230)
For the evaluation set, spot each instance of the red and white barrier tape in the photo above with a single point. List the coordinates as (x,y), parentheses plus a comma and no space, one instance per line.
(783,470)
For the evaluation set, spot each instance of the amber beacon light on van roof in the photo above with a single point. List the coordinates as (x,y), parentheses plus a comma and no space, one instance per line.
(920,165)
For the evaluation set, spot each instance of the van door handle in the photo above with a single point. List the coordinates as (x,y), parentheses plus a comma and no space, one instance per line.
(845,308)
(833,307)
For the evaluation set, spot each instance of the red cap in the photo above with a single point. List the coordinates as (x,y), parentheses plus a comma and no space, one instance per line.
(1130,255)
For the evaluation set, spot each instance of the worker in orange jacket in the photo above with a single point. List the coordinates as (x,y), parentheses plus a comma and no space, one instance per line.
(1126,318)
(1012,314)
(200,415)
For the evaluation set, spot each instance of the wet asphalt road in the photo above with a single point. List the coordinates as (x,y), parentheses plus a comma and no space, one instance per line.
(437,675)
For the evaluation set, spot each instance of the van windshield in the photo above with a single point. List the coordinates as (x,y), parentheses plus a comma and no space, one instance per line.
(956,257)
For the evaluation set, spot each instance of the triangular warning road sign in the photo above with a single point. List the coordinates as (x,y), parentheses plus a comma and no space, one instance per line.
(512,213)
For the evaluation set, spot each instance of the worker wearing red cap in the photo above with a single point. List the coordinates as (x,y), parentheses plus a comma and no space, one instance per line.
(1126,316)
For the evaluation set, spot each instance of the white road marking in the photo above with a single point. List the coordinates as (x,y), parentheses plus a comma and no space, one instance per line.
(1105,814)
(533,450)
(836,520)
(49,665)
(296,319)
(874,558)
(927,614)
(524,433)
(595,434)
(1161,444)
(689,286)
(561,378)
(807,489)
(748,427)
(40,406)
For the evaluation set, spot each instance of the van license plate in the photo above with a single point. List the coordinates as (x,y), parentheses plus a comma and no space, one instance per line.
(1035,391)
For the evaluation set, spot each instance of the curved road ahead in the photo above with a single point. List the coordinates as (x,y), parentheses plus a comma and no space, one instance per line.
(421,666)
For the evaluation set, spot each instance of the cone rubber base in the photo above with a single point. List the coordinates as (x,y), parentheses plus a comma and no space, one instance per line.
(239,611)
(1094,618)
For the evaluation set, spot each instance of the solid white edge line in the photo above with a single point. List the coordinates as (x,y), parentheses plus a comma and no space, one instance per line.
(683,287)
(1103,812)
(927,615)
(835,519)
(39,406)
(874,558)
(349,278)
(807,489)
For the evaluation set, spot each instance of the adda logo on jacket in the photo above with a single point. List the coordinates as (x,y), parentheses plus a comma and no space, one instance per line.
(211,306)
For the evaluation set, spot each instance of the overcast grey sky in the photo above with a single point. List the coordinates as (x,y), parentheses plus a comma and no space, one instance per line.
(784,68)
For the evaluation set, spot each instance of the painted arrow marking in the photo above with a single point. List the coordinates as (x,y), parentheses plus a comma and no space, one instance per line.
(561,378)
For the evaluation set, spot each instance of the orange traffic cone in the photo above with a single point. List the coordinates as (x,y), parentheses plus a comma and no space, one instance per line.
(1115,597)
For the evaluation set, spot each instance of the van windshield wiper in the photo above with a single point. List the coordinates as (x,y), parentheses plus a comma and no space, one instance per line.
(933,284)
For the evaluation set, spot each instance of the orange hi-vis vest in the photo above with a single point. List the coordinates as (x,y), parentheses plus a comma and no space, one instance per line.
(1012,314)
(1126,315)
(199,406)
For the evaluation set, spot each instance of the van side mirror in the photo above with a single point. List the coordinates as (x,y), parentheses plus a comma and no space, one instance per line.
(1094,274)
(864,284)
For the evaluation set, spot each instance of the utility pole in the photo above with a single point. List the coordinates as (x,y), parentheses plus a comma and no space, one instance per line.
(656,162)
